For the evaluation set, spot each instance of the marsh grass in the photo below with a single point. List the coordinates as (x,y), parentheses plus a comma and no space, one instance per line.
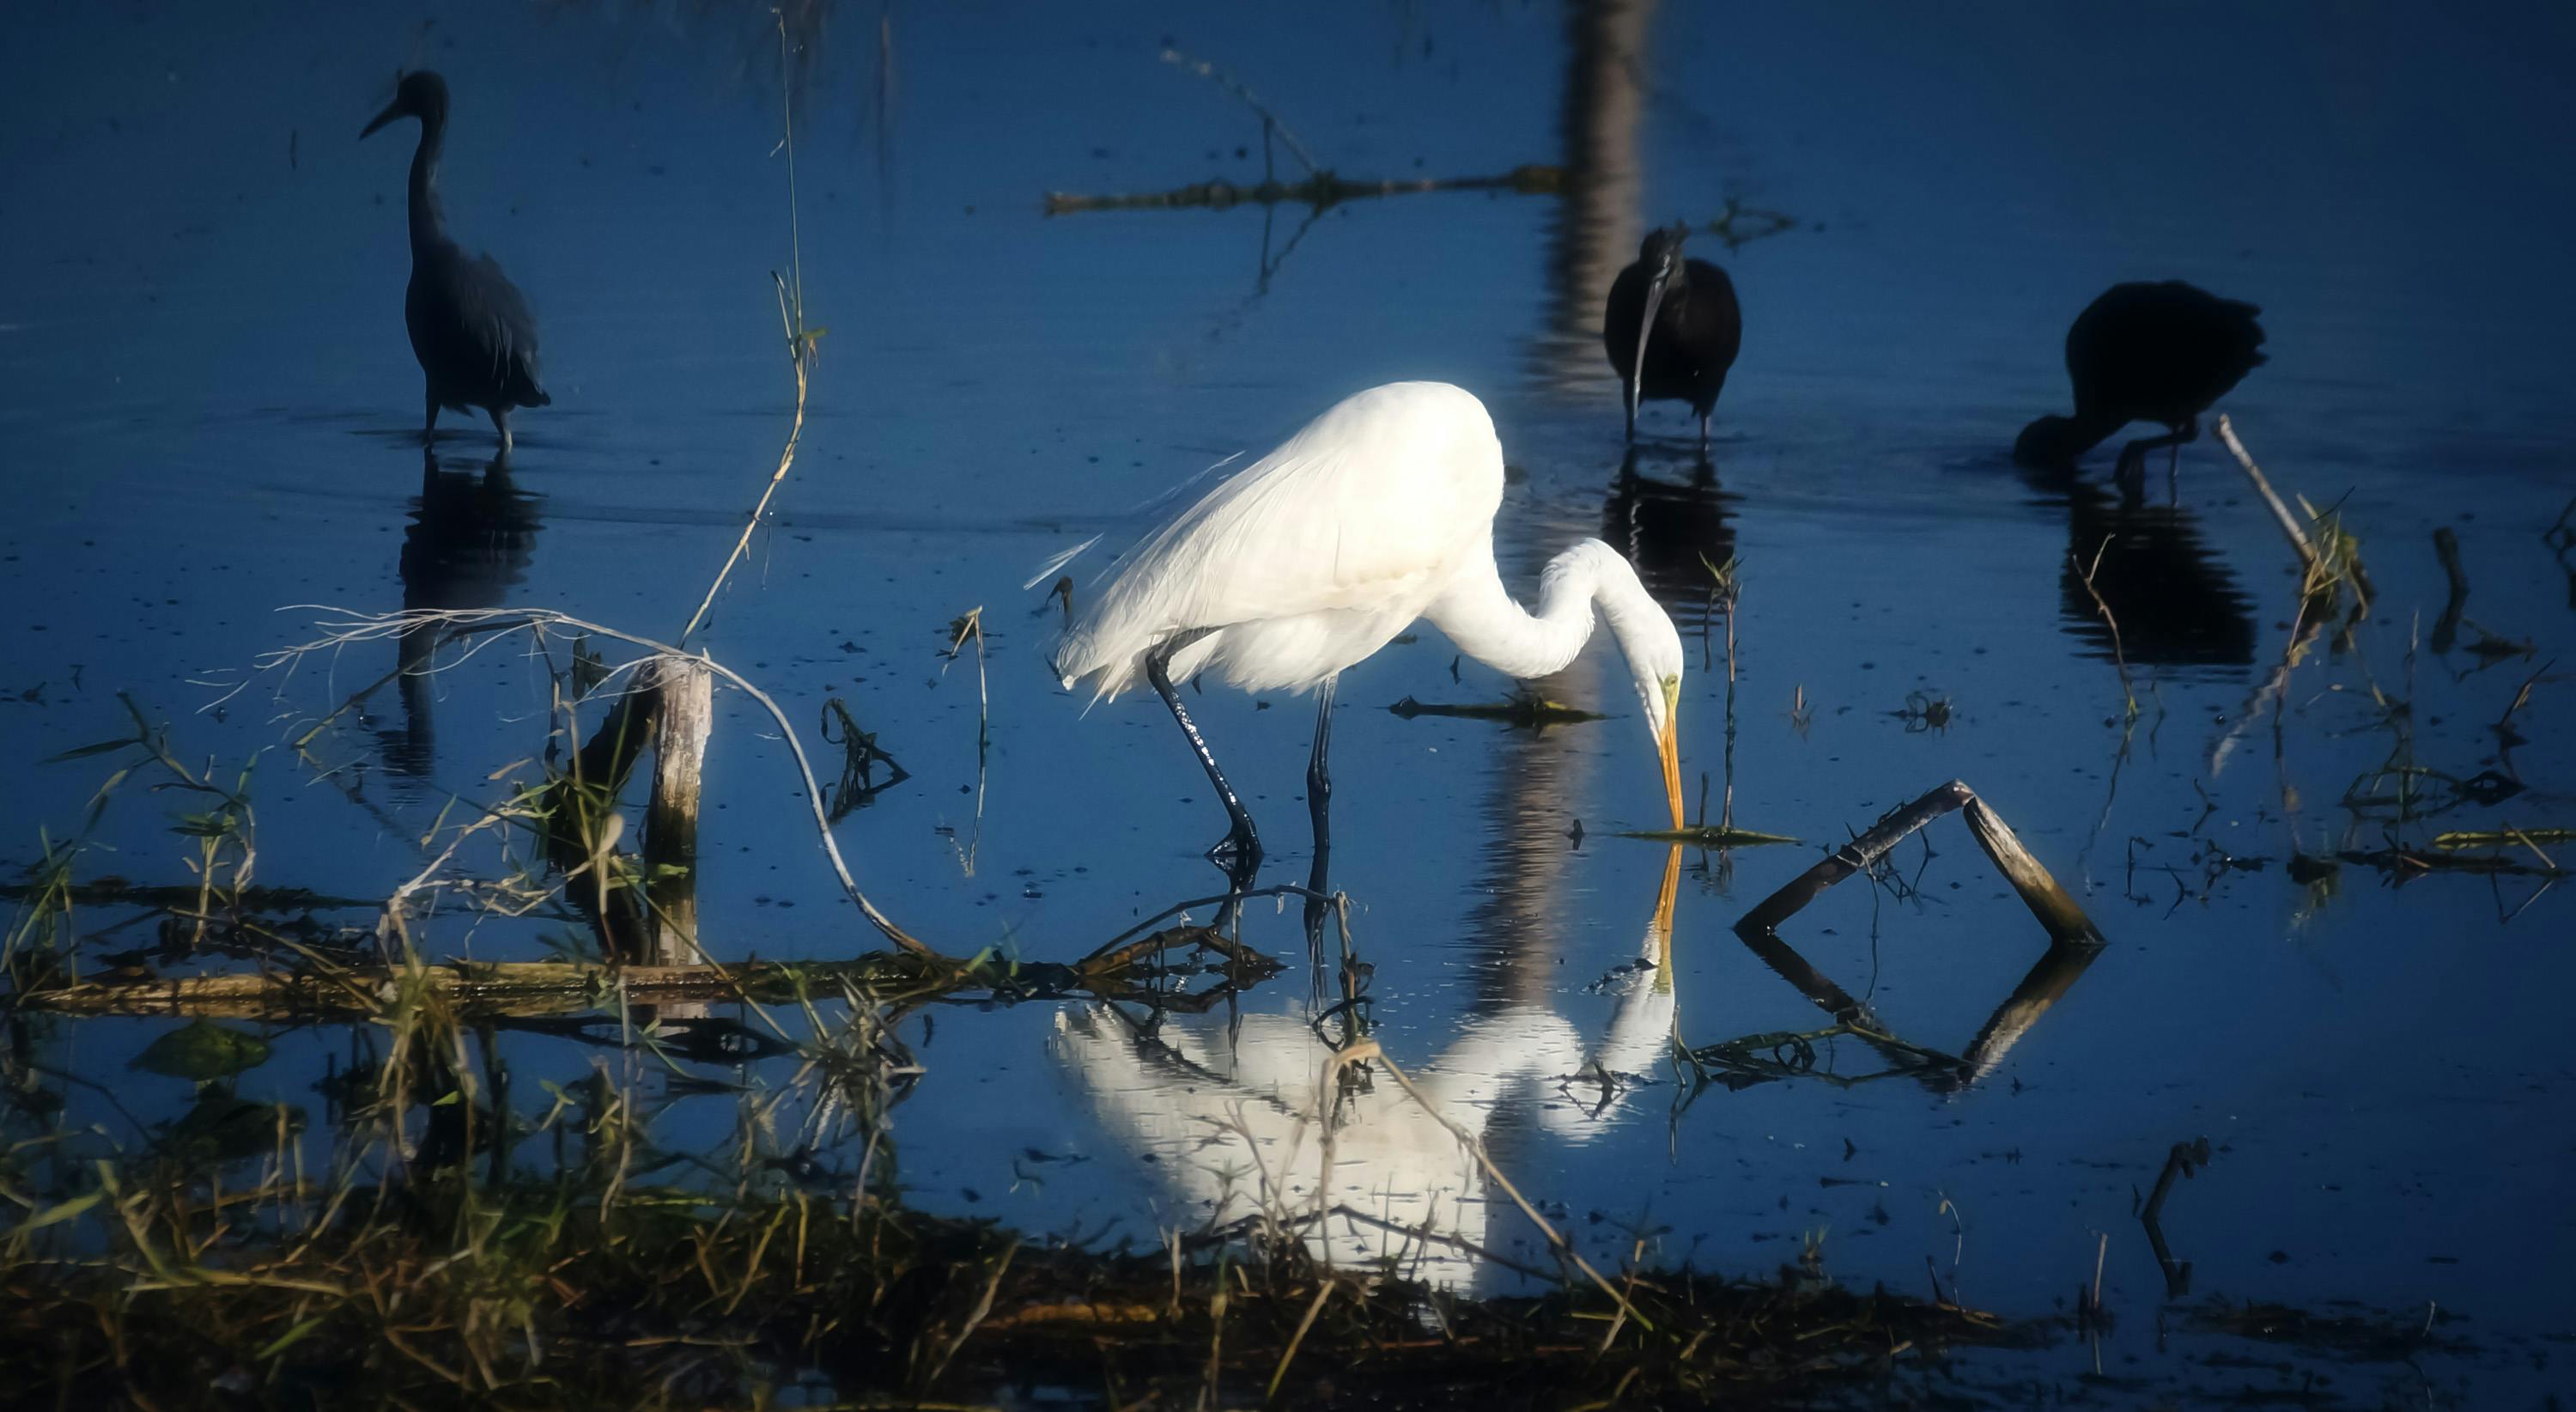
(437,1260)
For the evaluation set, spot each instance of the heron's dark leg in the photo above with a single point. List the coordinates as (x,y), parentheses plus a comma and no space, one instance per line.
(429,427)
(1628,407)
(501,424)
(1703,431)
(1242,845)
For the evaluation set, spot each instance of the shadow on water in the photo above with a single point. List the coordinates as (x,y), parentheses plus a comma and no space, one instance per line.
(472,537)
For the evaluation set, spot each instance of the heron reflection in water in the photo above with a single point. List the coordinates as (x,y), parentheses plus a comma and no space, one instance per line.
(471,538)
(1217,1114)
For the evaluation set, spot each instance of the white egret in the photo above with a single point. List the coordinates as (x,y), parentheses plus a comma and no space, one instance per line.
(1304,563)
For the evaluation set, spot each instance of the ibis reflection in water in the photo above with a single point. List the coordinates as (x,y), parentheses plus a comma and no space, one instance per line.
(2146,352)
(1672,328)
(2173,597)
(1306,562)
(470,328)
(1677,532)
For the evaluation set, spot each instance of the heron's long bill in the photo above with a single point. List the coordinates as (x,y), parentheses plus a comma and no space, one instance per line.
(1668,745)
(392,111)
(1637,380)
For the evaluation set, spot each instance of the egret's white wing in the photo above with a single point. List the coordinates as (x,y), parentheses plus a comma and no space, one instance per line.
(1148,512)
(1367,510)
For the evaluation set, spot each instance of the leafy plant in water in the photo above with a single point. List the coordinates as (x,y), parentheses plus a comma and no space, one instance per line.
(202,1051)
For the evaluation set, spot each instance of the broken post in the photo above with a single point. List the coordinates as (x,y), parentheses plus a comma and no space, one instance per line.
(683,720)
(2185,1158)
(584,826)
(2048,900)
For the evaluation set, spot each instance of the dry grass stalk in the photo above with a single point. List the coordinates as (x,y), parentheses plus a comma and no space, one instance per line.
(2119,656)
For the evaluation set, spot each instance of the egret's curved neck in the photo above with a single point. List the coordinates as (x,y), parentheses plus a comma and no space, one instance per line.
(1479,615)
(428,227)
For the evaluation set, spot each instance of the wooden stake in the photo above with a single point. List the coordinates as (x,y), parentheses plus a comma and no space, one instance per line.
(2047,900)
(2045,897)
(682,724)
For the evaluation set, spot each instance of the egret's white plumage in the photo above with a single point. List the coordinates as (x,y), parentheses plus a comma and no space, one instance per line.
(1306,562)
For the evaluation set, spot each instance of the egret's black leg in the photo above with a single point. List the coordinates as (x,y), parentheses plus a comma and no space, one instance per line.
(1319,807)
(1628,408)
(429,426)
(1319,775)
(1242,845)
(501,424)
(1703,431)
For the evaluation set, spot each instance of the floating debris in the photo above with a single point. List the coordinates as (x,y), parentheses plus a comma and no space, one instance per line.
(1520,710)
(1712,836)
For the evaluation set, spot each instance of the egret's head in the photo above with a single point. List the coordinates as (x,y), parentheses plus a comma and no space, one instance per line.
(1661,251)
(421,95)
(1655,655)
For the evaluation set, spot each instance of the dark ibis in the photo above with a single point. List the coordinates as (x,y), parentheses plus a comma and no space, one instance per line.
(1672,328)
(2145,352)
(470,328)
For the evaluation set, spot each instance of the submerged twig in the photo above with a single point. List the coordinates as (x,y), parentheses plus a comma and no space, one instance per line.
(1269,120)
(1320,190)
(2185,1159)
(1523,709)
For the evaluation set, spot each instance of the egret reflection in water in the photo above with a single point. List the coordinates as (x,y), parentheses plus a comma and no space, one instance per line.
(472,537)
(1233,1118)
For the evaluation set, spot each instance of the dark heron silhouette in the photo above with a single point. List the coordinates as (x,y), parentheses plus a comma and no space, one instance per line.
(2145,353)
(471,330)
(1672,328)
